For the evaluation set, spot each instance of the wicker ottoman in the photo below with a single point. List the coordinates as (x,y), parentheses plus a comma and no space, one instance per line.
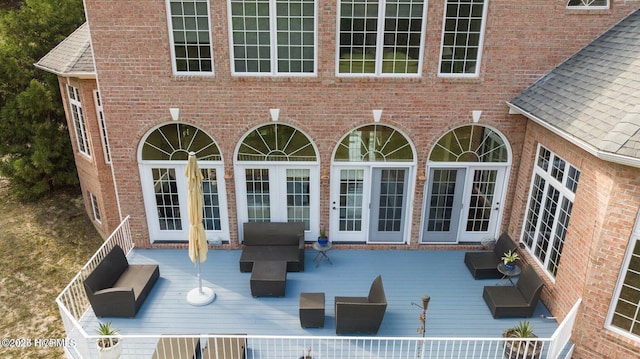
(268,278)
(312,310)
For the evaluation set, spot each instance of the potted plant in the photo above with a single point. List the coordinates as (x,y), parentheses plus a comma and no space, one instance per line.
(322,239)
(108,348)
(308,355)
(509,257)
(520,349)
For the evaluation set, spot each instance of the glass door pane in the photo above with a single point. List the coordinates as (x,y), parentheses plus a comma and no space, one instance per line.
(351,195)
(258,195)
(388,205)
(211,210)
(481,200)
(298,197)
(444,204)
(167,200)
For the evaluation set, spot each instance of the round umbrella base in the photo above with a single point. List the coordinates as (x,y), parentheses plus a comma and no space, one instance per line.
(199,298)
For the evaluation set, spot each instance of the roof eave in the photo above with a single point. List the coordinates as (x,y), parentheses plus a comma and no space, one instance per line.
(603,155)
(80,74)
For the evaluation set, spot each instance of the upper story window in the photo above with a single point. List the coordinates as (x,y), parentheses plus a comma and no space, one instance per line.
(273,37)
(623,314)
(190,37)
(462,37)
(103,127)
(79,126)
(380,37)
(588,4)
(553,189)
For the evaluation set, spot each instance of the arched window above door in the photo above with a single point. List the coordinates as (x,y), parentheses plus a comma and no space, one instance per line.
(276,142)
(174,141)
(471,143)
(374,143)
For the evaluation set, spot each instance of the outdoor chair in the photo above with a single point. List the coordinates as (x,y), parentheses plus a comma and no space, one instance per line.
(361,315)
(484,264)
(515,301)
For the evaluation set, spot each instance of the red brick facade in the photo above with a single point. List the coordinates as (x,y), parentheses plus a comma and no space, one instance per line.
(523,41)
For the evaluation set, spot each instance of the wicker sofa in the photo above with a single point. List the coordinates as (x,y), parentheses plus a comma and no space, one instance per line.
(117,289)
(273,241)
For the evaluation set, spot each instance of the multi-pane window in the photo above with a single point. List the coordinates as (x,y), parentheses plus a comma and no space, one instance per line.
(103,127)
(258,195)
(96,209)
(190,36)
(273,37)
(625,311)
(299,196)
(553,189)
(351,197)
(462,35)
(79,126)
(380,37)
(588,4)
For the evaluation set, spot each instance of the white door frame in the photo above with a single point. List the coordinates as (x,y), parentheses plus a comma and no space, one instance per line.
(362,236)
(278,192)
(148,192)
(498,203)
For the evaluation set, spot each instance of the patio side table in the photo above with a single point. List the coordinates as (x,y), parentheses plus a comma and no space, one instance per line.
(322,253)
(507,274)
(311,310)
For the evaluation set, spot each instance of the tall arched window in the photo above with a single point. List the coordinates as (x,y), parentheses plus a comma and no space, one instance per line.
(277,177)
(164,153)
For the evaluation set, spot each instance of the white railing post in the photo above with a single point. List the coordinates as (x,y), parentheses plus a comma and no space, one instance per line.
(562,335)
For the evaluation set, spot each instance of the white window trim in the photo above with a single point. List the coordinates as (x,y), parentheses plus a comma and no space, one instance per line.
(173,49)
(274,46)
(480,45)
(82,138)
(635,237)
(564,193)
(103,127)
(380,45)
(589,7)
(95,208)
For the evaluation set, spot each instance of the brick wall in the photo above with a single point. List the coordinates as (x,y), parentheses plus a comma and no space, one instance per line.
(93,172)
(523,41)
(602,219)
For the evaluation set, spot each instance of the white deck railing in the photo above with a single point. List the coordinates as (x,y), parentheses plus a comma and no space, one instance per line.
(73,304)
(280,347)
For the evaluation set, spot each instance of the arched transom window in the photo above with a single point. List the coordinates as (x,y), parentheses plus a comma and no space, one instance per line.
(470,144)
(374,143)
(174,141)
(276,142)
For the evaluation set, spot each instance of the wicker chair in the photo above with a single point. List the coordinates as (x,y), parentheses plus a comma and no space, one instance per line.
(484,264)
(361,315)
(515,301)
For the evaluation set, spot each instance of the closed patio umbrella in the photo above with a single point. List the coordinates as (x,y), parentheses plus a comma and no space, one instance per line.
(198,245)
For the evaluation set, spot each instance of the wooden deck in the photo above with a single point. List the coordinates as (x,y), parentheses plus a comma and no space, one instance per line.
(456,308)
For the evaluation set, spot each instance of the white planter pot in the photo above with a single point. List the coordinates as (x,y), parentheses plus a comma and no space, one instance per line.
(110,352)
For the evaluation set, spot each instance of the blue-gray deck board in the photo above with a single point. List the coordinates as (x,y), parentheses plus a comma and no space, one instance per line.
(456,308)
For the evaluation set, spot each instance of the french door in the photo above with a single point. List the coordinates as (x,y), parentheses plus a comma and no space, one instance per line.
(278,194)
(369,204)
(165,193)
(462,204)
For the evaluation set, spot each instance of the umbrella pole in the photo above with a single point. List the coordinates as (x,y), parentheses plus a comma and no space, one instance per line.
(199,276)
(201,295)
